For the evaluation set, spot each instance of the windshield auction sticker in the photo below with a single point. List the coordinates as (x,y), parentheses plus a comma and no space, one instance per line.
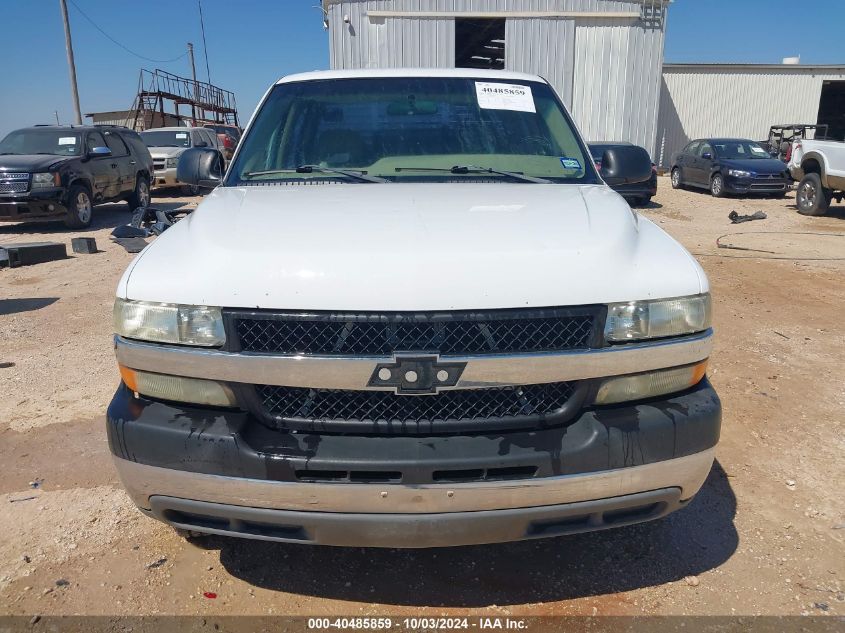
(497,96)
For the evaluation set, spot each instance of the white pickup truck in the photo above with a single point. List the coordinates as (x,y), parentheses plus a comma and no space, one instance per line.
(412,313)
(820,168)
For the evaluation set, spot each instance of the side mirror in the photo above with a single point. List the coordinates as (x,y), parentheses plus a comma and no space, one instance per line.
(99,151)
(200,166)
(625,164)
(707,156)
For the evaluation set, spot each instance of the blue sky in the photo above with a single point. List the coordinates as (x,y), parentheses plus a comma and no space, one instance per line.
(253,42)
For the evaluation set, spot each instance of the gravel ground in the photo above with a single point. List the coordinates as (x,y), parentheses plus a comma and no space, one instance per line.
(764,536)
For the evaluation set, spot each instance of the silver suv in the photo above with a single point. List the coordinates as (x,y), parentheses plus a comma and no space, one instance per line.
(167,144)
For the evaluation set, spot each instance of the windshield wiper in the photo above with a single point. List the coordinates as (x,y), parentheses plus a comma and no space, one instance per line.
(310,169)
(473,169)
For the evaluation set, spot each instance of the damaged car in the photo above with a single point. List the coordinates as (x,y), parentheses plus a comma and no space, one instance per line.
(60,172)
(412,313)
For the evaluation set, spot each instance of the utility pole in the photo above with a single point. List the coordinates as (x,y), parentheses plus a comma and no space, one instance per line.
(194,75)
(70,63)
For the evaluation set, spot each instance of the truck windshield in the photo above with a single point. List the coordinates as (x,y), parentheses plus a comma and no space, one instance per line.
(58,142)
(166,138)
(419,129)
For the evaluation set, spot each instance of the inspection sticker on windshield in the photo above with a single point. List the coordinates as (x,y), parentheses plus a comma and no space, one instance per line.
(497,96)
(759,151)
(570,163)
(67,140)
(181,135)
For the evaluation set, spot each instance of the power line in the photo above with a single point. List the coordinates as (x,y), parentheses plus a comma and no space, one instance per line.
(204,47)
(128,50)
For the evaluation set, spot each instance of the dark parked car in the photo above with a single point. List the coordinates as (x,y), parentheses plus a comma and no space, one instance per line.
(63,171)
(729,165)
(638,193)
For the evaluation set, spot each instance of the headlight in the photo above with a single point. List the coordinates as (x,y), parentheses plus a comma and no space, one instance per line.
(739,173)
(638,320)
(650,384)
(46,180)
(171,162)
(169,323)
(178,388)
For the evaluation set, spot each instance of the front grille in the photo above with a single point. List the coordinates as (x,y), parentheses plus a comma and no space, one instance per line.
(158,165)
(13,187)
(332,409)
(501,331)
(14,182)
(768,182)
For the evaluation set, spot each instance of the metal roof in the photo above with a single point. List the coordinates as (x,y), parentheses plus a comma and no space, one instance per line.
(834,68)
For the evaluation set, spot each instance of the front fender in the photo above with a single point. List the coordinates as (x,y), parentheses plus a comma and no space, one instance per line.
(820,158)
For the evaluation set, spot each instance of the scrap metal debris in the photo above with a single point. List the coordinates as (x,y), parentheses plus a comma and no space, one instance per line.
(146,221)
(84,245)
(28,253)
(22,499)
(736,218)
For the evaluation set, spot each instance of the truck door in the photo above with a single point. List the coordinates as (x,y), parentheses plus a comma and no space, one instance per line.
(125,163)
(103,169)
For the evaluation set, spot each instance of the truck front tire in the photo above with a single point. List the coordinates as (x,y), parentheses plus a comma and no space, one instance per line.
(141,195)
(80,207)
(812,198)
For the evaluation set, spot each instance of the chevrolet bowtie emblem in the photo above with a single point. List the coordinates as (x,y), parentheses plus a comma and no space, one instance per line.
(416,375)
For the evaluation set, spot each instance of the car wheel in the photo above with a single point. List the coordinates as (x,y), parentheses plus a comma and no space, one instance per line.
(676,178)
(811,197)
(80,207)
(717,186)
(141,196)
(191,190)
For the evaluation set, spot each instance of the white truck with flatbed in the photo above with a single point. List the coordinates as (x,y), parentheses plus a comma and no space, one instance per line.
(412,313)
(819,168)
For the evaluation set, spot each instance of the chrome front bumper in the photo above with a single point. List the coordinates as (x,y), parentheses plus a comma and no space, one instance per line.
(438,515)
(142,482)
(165,178)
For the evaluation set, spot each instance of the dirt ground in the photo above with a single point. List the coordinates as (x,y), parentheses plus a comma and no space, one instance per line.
(764,536)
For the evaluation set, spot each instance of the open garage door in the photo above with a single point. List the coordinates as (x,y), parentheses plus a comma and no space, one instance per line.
(832,109)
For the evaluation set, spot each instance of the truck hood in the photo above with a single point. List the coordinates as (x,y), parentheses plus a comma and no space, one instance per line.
(166,152)
(31,162)
(411,247)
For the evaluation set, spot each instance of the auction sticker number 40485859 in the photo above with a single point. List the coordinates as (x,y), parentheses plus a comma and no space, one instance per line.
(417,623)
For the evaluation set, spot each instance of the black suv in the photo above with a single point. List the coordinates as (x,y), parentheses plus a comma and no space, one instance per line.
(63,171)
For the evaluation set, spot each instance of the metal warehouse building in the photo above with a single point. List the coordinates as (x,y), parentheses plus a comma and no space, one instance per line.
(744,100)
(602,56)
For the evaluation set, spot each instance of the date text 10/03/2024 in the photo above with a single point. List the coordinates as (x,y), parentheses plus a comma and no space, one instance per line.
(412,624)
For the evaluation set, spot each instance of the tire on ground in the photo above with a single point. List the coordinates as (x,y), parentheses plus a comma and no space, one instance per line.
(673,178)
(811,197)
(717,186)
(140,198)
(76,218)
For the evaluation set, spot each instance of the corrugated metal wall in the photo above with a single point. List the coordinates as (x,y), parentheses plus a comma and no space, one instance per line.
(606,70)
(742,101)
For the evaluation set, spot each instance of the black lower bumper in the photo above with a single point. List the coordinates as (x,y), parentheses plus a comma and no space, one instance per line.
(737,185)
(31,207)
(233,444)
(223,472)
